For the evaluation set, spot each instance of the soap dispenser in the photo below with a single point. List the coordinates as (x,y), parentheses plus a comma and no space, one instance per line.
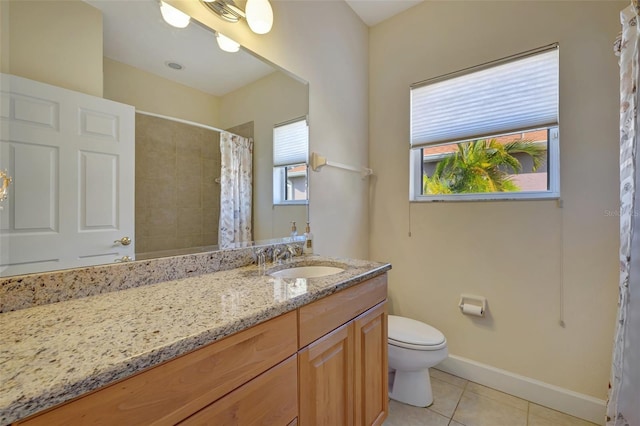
(294,231)
(308,245)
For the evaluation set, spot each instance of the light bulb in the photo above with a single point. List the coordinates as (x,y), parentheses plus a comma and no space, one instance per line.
(259,16)
(173,16)
(226,44)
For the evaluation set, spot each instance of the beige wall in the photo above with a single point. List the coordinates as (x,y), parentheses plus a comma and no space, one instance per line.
(40,51)
(517,254)
(326,44)
(271,100)
(4,37)
(151,93)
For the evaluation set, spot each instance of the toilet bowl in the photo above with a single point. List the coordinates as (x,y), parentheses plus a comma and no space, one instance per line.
(413,347)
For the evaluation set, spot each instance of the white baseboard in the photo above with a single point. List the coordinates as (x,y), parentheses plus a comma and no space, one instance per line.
(576,404)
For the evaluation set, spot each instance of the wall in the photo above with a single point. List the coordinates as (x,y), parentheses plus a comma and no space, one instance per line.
(271,100)
(177,199)
(72,62)
(151,93)
(517,254)
(4,37)
(326,44)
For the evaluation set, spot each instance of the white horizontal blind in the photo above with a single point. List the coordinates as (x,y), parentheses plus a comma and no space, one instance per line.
(291,143)
(518,95)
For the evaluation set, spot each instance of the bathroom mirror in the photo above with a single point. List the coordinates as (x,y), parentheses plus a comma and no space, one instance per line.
(182,86)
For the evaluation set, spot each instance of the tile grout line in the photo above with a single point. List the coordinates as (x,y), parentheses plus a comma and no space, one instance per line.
(464,388)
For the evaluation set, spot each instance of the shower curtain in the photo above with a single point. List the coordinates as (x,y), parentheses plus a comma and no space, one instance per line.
(235,190)
(623,407)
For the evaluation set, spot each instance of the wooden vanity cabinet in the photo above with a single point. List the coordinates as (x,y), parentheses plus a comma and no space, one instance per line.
(343,374)
(323,364)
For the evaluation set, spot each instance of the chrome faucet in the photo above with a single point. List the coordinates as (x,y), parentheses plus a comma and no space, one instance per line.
(283,254)
(294,250)
(260,256)
(277,251)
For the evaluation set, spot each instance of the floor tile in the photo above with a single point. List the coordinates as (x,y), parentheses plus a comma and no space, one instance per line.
(478,410)
(498,396)
(445,397)
(542,416)
(454,423)
(408,415)
(446,377)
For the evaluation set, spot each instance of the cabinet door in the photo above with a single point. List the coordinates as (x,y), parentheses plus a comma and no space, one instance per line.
(371,378)
(326,379)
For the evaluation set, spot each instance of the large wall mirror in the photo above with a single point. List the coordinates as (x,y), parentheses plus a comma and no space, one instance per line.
(175,89)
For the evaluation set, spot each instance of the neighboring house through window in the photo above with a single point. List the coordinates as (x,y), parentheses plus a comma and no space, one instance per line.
(488,132)
(290,157)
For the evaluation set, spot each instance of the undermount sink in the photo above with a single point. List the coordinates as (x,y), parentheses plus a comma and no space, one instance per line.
(314,271)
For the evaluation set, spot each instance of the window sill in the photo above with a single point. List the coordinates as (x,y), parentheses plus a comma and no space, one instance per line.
(521,196)
(292,203)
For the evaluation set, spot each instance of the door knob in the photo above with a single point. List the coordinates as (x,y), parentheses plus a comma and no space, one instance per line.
(125,241)
(124,259)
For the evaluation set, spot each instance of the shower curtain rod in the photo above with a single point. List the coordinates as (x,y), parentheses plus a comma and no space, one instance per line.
(180,120)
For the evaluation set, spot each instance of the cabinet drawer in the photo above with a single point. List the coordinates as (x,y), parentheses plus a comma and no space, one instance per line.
(172,391)
(320,317)
(269,399)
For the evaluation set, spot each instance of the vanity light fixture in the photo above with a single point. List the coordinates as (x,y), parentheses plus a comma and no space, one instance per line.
(173,16)
(226,44)
(259,14)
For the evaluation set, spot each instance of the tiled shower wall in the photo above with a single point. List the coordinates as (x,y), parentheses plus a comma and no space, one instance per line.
(177,198)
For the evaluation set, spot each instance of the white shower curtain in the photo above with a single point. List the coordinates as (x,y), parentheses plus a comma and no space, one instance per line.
(235,190)
(623,407)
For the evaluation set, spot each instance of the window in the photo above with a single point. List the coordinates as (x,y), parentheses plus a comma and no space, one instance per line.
(290,154)
(489,132)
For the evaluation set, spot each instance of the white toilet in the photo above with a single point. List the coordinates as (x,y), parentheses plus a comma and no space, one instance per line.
(413,347)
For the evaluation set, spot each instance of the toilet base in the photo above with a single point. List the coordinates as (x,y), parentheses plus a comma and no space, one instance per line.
(412,387)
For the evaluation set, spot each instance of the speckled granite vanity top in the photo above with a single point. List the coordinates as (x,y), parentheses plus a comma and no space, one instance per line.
(52,353)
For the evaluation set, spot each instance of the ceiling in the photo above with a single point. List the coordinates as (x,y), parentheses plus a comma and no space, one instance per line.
(373,12)
(136,34)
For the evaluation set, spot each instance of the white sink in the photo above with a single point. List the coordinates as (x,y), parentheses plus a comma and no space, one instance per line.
(307,272)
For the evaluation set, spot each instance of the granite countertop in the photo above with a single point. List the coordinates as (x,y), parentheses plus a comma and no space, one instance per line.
(53,353)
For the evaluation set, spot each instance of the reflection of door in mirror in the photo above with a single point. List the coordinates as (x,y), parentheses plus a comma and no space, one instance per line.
(68,153)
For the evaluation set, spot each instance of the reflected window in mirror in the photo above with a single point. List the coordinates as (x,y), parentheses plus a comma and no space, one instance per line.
(290,153)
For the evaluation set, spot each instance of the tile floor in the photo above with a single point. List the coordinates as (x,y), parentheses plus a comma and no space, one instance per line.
(459,402)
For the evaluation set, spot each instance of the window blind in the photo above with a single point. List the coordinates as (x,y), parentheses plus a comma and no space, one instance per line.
(291,143)
(520,94)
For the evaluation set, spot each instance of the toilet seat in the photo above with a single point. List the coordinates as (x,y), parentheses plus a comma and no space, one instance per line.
(411,334)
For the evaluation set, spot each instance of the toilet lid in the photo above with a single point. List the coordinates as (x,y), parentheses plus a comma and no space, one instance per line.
(407,330)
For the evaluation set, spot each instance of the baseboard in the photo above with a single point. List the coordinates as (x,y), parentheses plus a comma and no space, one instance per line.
(576,404)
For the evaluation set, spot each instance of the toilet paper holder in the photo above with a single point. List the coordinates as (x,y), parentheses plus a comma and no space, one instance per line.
(472,302)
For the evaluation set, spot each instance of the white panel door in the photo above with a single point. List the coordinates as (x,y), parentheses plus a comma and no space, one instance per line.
(71,157)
